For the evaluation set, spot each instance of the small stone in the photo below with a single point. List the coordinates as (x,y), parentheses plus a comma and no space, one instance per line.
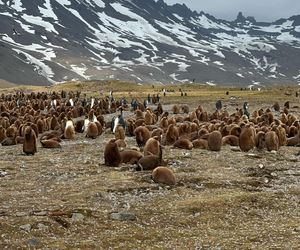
(293,160)
(261,166)
(256,156)
(196,214)
(77,217)
(42,226)
(3,173)
(297,230)
(123,216)
(186,154)
(40,213)
(273,174)
(32,242)
(235,149)
(21,214)
(26,227)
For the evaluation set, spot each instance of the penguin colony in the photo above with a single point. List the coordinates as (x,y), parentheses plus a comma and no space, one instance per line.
(50,118)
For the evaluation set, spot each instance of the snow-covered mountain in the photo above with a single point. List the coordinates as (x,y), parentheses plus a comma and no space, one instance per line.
(49,41)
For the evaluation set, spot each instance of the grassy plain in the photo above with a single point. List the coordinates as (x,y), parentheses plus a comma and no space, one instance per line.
(64,198)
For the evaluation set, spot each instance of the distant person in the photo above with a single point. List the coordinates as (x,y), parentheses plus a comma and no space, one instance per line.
(111,95)
(145,103)
(123,101)
(134,104)
(219,105)
(158,98)
(246,109)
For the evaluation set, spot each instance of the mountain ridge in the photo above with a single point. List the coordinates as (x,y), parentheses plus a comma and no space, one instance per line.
(50,41)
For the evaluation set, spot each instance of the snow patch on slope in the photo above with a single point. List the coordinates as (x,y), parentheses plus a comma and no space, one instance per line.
(36,20)
(47,11)
(17,5)
(80,70)
(40,67)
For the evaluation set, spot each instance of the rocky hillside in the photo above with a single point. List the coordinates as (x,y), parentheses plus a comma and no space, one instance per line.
(50,41)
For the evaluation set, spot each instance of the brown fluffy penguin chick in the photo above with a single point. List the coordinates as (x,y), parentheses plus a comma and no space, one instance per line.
(148,162)
(51,143)
(287,104)
(100,127)
(54,123)
(130,156)
(157,132)
(171,135)
(293,131)
(29,145)
(152,147)
(235,130)
(175,109)
(276,106)
(112,155)
(11,131)
(130,127)
(69,132)
(121,143)
(142,135)
(200,143)
(185,108)
(260,140)
(294,141)
(52,134)
(40,125)
(79,126)
(20,139)
(214,141)
(231,140)
(2,134)
(139,114)
(183,143)
(120,133)
(92,130)
(272,141)
(247,138)
(149,118)
(202,132)
(163,175)
(280,131)
(9,141)
(163,123)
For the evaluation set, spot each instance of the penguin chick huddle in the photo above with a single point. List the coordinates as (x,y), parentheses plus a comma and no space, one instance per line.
(26,118)
(46,119)
(156,130)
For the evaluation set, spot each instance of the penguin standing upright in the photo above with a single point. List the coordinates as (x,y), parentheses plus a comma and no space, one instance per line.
(29,144)
(219,105)
(246,109)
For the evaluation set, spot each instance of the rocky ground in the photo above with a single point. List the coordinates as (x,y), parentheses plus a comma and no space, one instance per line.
(67,199)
